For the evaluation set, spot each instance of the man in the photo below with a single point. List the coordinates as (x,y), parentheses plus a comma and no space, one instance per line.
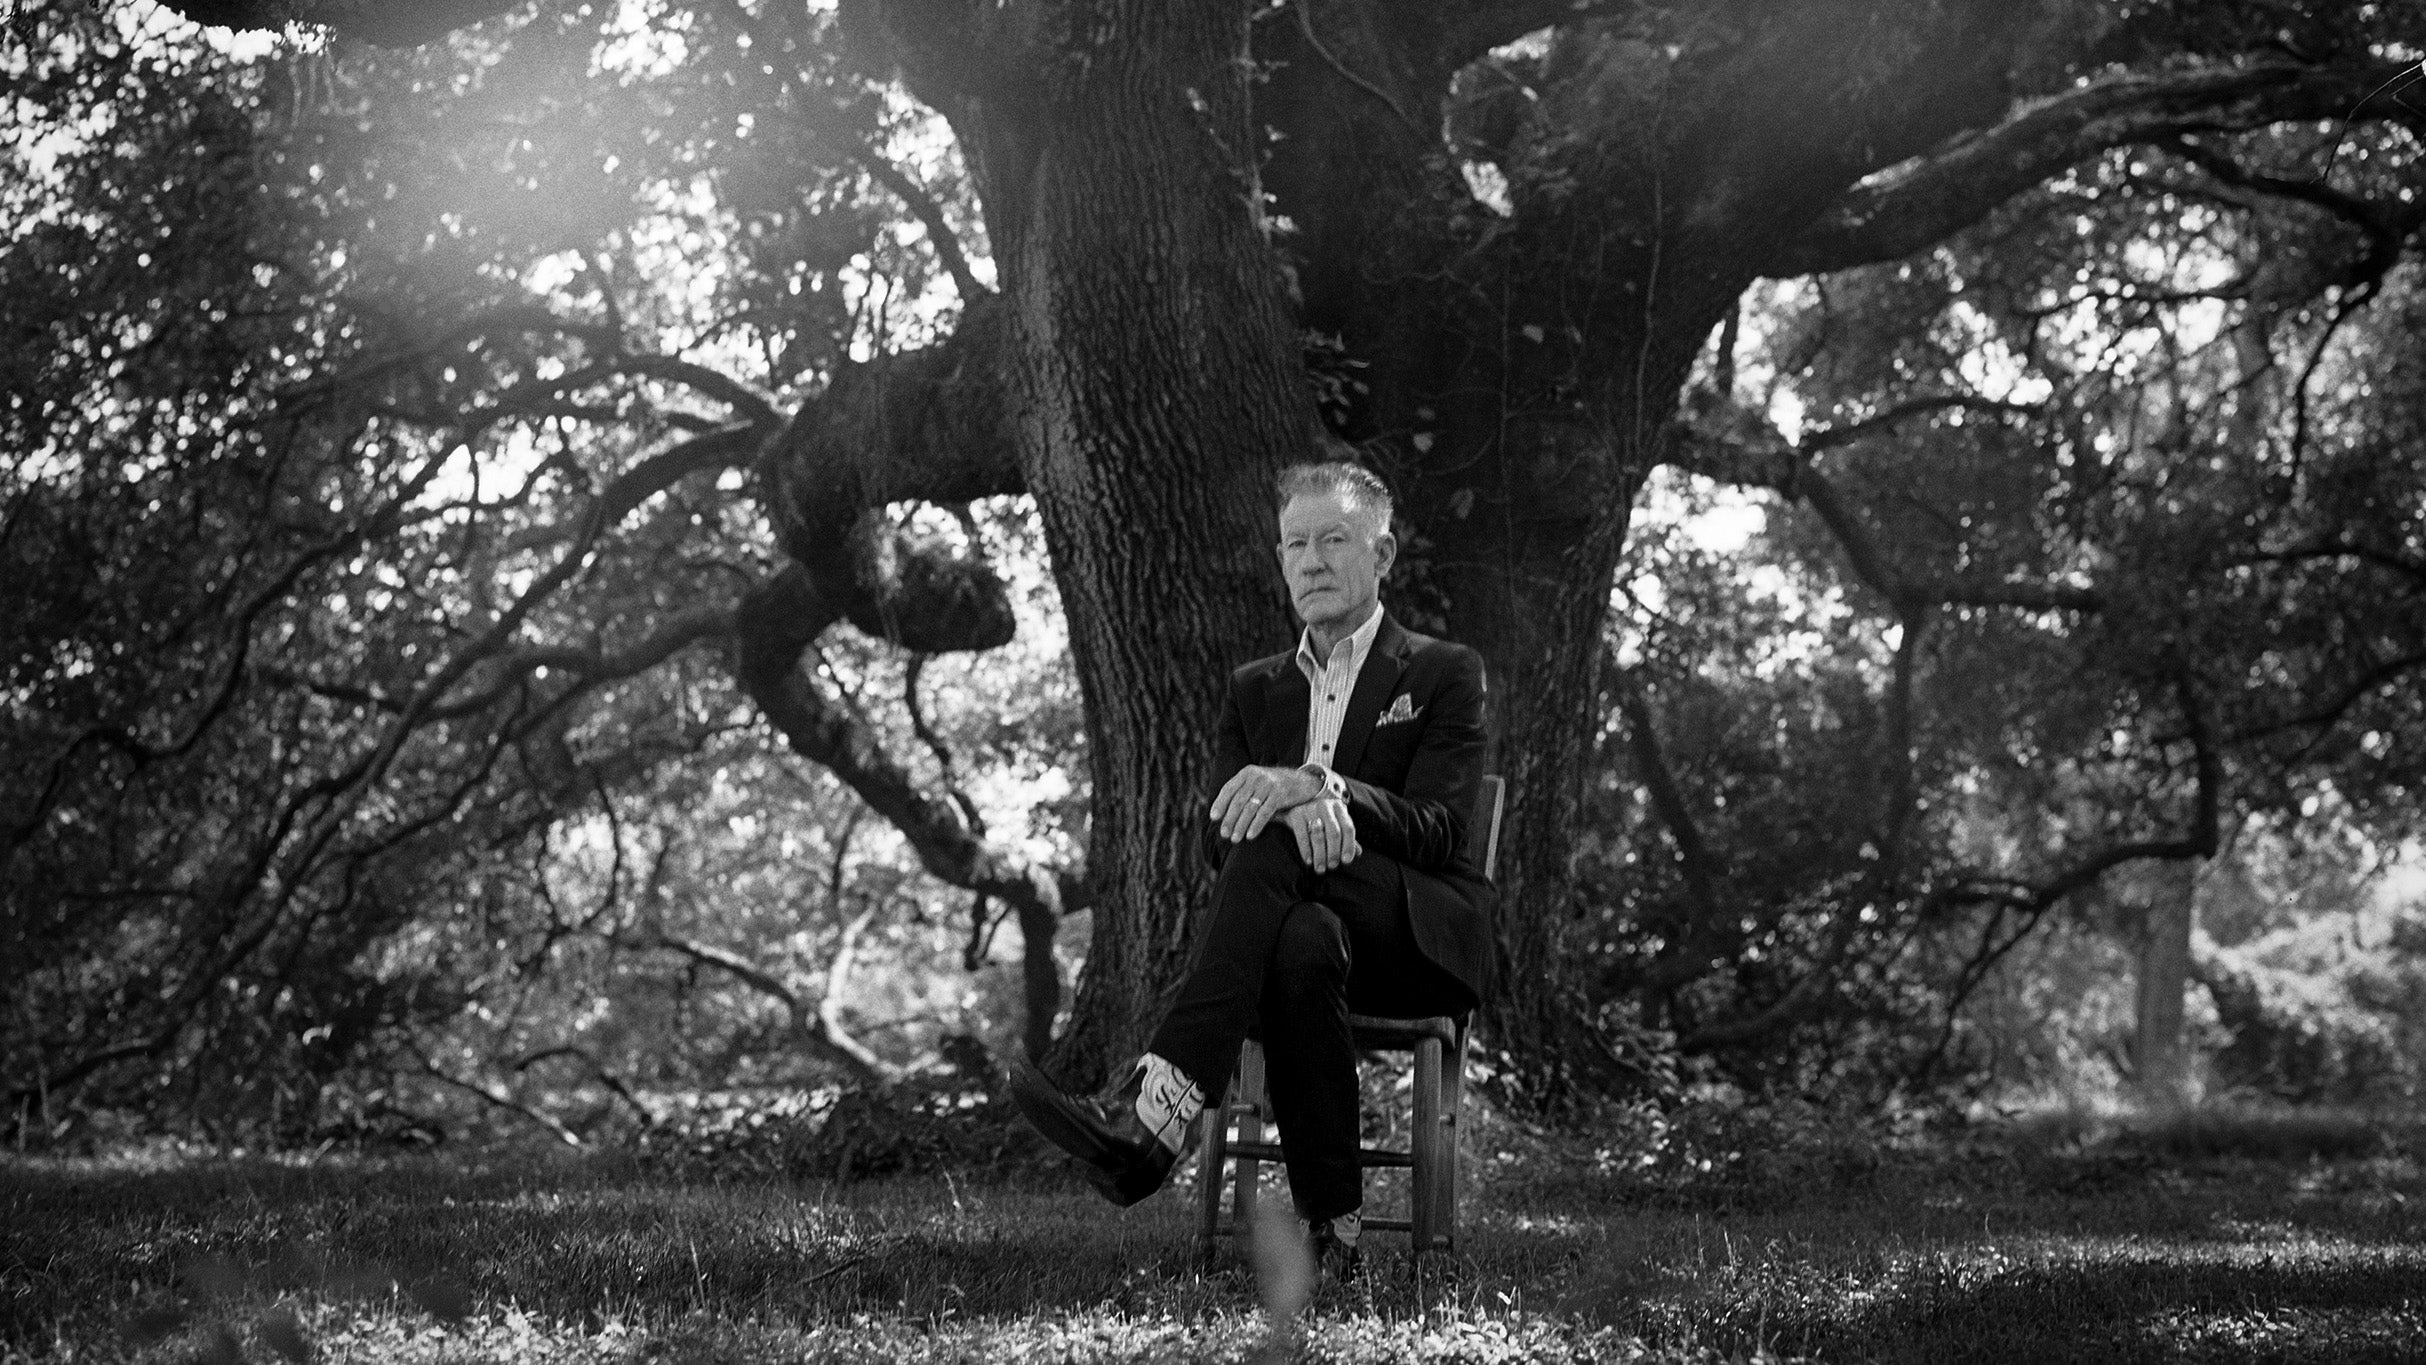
(1345,773)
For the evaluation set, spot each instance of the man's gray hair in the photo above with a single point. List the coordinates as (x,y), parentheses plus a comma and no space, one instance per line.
(1352,482)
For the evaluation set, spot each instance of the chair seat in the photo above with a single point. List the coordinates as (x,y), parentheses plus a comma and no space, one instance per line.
(1373,1031)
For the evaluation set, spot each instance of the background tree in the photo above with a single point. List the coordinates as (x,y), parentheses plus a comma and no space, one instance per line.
(2099,542)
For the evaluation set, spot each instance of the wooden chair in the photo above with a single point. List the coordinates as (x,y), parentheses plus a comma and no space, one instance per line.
(1439,1048)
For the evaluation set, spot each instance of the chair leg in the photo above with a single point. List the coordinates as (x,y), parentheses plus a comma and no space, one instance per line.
(1424,1199)
(1212,1152)
(1252,1105)
(1453,1103)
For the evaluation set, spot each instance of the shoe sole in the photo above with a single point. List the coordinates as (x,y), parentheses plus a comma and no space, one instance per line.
(1113,1171)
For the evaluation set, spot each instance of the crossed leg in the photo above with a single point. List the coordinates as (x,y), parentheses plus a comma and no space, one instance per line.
(1290,953)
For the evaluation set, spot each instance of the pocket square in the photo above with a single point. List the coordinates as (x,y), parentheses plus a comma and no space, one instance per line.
(1403,709)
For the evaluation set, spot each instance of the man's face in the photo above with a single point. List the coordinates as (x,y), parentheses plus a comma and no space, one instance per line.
(1333,558)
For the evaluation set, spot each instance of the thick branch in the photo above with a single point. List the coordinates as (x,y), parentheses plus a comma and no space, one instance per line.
(1906,208)
(774,626)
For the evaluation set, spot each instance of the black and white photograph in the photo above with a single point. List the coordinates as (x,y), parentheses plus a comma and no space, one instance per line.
(1449,682)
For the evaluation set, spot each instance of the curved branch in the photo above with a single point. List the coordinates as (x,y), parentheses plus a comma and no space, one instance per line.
(1907,208)
(756,408)
(514,317)
(1845,433)
(1305,24)
(2381,675)
(1733,448)
(809,1022)
(2341,548)
(722,449)
(501,1100)
(615,1084)
(772,629)
(670,637)
(930,215)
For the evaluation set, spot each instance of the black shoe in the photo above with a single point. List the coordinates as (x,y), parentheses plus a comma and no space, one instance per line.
(1335,1261)
(1115,1152)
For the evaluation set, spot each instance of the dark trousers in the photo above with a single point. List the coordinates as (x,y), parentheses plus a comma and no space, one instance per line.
(1290,954)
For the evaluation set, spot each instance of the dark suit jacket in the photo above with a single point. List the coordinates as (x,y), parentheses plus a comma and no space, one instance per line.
(1412,784)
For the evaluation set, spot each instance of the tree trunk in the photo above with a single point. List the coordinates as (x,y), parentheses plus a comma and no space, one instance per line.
(2160,1057)
(1155,378)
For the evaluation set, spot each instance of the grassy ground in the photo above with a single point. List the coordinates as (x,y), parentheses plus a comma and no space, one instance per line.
(2044,1245)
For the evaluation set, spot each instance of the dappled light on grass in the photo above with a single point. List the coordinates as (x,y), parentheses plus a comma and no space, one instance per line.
(1967,1254)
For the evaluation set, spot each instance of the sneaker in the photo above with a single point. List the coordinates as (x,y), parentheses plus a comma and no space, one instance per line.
(1336,1260)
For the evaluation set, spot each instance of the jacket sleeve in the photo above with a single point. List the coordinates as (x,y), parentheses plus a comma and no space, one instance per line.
(1229,755)
(1424,826)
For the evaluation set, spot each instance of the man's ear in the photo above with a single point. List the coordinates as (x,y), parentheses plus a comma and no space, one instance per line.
(1385,554)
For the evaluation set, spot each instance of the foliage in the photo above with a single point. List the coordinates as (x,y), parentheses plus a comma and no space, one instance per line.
(2098,539)
(362,764)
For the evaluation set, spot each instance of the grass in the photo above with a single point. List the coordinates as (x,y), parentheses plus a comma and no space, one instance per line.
(2043,1245)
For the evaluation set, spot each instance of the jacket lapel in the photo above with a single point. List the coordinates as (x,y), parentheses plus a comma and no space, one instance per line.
(1373,687)
(1289,701)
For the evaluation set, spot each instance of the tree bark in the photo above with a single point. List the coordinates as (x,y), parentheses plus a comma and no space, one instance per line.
(1153,380)
(2160,1057)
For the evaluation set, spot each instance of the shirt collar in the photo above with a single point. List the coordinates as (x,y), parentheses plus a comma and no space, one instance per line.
(1359,644)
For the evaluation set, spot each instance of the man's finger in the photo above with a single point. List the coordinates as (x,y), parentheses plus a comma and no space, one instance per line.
(1259,814)
(1305,845)
(1236,804)
(1253,811)
(1229,793)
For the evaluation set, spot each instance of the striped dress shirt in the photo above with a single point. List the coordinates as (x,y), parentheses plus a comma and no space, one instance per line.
(1332,681)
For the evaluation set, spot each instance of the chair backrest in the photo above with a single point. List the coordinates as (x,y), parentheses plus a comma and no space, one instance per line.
(1487,809)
